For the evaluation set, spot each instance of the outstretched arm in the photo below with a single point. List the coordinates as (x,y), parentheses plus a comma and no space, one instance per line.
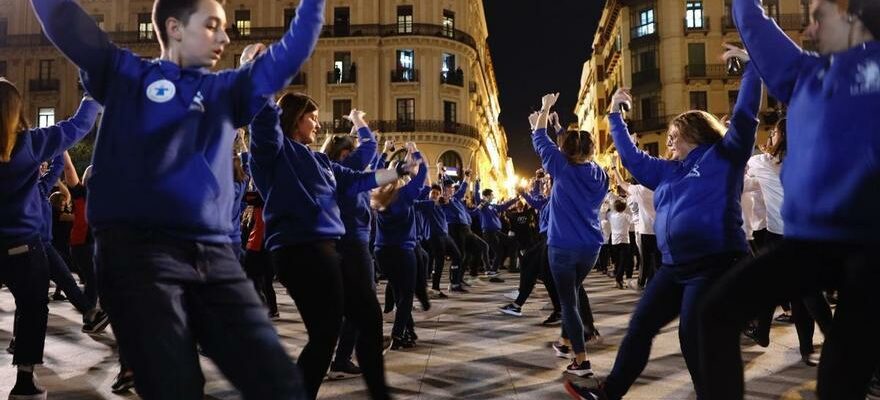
(51,141)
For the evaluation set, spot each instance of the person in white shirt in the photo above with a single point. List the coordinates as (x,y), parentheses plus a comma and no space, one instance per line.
(605,252)
(644,197)
(621,221)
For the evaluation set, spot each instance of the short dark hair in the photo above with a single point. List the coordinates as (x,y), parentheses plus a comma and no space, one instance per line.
(576,145)
(619,205)
(338,144)
(487,192)
(436,187)
(180,10)
(293,107)
(868,11)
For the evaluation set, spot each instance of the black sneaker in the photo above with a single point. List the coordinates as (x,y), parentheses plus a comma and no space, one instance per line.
(58,296)
(274,316)
(752,333)
(402,343)
(582,369)
(810,360)
(553,319)
(785,318)
(436,294)
(343,370)
(562,351)
(11,348)
(511,309)
(411,335)
(581,393)
(27,388)
(874,387)
(496,279)
(124,382)
(458,289)
(98,323)
(593,339)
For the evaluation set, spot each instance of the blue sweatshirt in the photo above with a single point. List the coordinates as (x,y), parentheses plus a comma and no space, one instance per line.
(397,223)
(238,203)
(434,217)
(831,173)
(21,203)
(423,225)
(355,209)
(46,183)
(578,191)
(167,131)
(299,186)
(698,199)
(455,210)
(539,203)
(490,213)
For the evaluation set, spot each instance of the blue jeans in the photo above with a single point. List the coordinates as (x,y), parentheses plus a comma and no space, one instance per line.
(164,295)
(675,290)
(569,269)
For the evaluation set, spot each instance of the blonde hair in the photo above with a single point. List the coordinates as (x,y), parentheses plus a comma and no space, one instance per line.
(698,127)
(386,195)
(12,120)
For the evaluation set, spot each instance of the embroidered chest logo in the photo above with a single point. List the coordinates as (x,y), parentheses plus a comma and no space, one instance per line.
(867,79)
(161,91)
(198,103)
(695,172)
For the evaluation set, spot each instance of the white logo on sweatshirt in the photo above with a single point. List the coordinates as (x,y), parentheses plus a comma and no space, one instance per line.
(197,104)
(161,91)
(695,172)
(867,79)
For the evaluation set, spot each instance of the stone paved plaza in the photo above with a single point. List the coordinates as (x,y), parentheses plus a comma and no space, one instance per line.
(470,351)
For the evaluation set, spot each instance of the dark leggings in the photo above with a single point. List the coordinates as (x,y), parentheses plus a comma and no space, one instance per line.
(400,266)
(535,264)
(442,246)
(324,291)
(623,261)
(261,271)
(651,259)
(787,270)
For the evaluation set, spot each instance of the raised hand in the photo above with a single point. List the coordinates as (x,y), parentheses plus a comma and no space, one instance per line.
(733,51)
(548,101)
(357,118)
(533,119)
(389,146)
(554,119)
(621,96)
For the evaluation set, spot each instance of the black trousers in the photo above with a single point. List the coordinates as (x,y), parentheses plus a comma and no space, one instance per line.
(442,245)
(25,271)
(261,271)
(400,266)
(651,259)
(623,261)
(472,248)
(789,270)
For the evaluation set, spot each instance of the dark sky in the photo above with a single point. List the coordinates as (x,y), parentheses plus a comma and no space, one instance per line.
(538,47)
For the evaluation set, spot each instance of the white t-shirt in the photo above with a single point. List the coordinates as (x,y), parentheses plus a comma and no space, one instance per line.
(633,207)
(765,170)
(759,211)
(644,197)
(606,230)
(747,204)
(620,223)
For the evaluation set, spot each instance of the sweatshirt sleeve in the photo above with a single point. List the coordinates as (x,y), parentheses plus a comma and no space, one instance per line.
(411,190)
(52,141)
(478,197)
(740,138)
(270,72)
(462,190)
(552,159)
(506,206)
(350,182)
(266,136)
(47,180)
(648,170)
(363,156)
(777,59)
(534,201)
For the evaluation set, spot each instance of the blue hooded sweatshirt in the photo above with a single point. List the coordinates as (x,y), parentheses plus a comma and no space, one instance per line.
(299,186)
(238,203)
(46,183)
(539,202)
(578,191)
(455,210)
(21,204)
(355,209)
(698,199)
(397,223)
(831,173)
(489,214)
(167,132)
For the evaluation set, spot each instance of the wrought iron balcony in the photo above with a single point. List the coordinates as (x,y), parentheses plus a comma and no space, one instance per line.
(44,85)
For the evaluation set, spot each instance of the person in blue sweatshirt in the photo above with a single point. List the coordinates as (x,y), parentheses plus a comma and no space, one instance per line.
(22,251)
(830,212)
(301,189)
(490,220)
(573,233)
(459,223)
(440,242)
(396,242)
(698,226)
(166,139)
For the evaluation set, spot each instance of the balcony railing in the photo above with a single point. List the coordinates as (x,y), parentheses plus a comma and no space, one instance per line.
(698,25)
(404,75)
(274,33)
(643,35)
(44,85)
(708,71)
(418,125)
(454,78)
(336,77)
(648,124)
(646,77)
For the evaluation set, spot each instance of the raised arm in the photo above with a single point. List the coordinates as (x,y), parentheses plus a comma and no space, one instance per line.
(52,141)
(478,197)
(266,135)
(411,190)
(648,170)
(620,181)
(462,190)
(71,178)
(740,138)
(536,202)
(361,157)
(777,58)
(505,206)
(48,180)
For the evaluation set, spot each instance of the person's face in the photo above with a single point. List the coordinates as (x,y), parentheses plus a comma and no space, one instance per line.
(448,191)
(307,128)
(202,40)
(829,27)
(679,147)
(489,198)
(775,137)
(435,195)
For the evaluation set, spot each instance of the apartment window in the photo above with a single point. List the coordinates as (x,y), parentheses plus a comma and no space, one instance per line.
(145,26)
(449,113)
(99,19)
(243,22)
(342,67)
(694,15)
(289,17)
(404,19)
(406,64)
(236,60)
(772,8)
(699,101)
(452,161)
(805,12)
(406,113)
(647,106)
(341,108)
(45,117)
(645,23)
(448,23)
(647,60)
(341,21)
(46,70)
(652,148)
(696,59)
(447,66)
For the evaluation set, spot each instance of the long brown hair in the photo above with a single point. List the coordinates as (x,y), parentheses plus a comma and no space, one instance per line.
(293,107)
(386,195)
(778,151)
(12,120)
(576,145)
(338,144)
(698,127)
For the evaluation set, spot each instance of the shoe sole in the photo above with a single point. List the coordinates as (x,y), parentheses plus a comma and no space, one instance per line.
(98,328)
(338,376)
(580,372)
(561,354)
(510,312)
(123,389)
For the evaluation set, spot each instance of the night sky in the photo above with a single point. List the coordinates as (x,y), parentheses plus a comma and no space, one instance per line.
(538,47)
